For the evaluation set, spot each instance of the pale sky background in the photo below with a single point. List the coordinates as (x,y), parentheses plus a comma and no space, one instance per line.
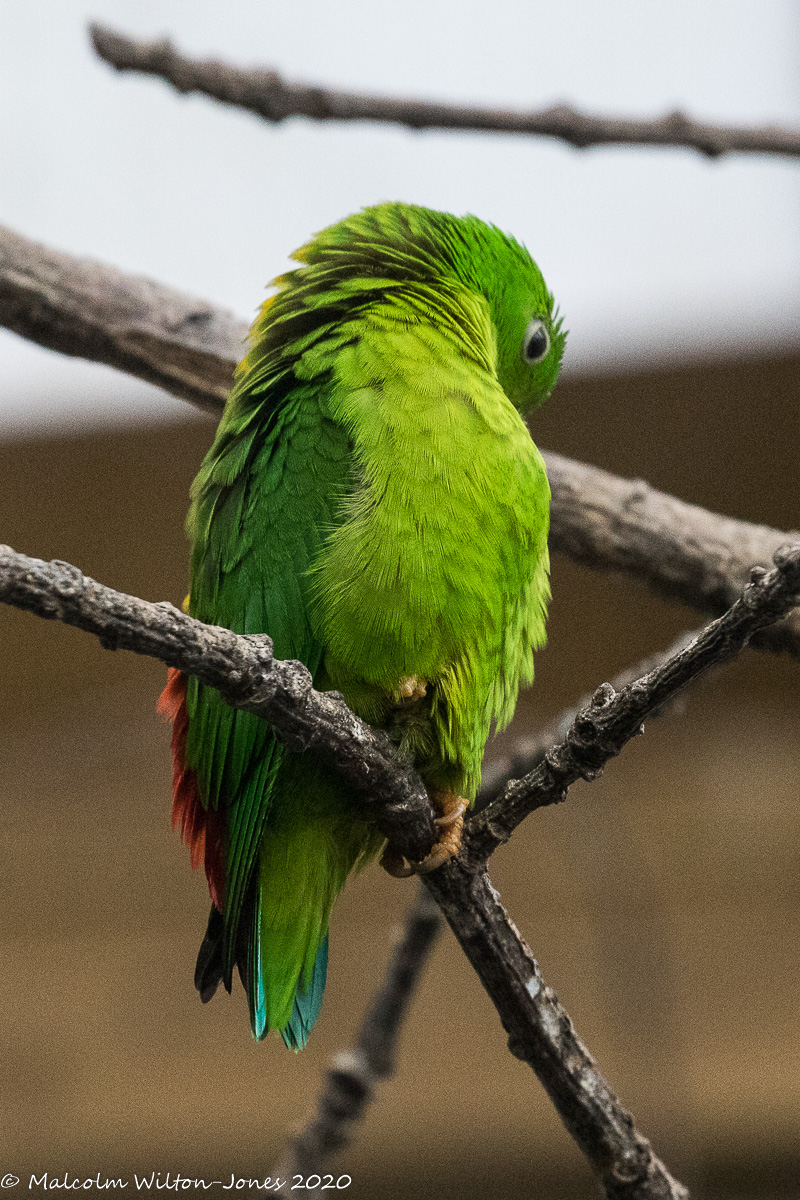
(655,254)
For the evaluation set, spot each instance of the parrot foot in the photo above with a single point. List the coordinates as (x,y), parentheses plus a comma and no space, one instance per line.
(450,823)
(411,687)
(460,806)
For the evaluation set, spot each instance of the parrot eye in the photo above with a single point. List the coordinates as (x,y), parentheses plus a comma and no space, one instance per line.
(536,343)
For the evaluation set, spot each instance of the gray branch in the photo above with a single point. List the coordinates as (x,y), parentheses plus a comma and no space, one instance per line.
(529,751)
(247,676)
(189,348)
(541,1034)
(88,310)
(264,92)
(351,1082)
(681,550)
(600,731)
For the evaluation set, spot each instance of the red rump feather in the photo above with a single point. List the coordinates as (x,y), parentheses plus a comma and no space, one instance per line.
(200,828)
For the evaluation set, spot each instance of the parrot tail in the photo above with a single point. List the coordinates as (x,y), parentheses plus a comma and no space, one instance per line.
(284,967)
(303,865)
(209,971)
(281,935)
(209,974)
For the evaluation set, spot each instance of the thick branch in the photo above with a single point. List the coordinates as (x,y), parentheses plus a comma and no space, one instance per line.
(540,1032)
(680,549)
(354,1075)
(82,307)
(88,310)
(264,92)
(248,677)
(600,731)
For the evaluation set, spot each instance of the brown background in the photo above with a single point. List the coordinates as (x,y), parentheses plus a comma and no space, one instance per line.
(663,901)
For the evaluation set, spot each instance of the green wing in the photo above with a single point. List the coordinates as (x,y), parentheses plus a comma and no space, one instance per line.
(262,504)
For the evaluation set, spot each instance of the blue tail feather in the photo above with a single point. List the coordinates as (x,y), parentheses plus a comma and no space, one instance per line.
(307,1003)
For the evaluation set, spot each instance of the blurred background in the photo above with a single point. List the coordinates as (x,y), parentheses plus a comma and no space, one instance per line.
(662,901)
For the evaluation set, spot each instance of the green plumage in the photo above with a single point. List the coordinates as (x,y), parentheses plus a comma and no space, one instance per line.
(373,501)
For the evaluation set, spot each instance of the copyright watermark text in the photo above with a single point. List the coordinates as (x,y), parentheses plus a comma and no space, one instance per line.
(158,1181)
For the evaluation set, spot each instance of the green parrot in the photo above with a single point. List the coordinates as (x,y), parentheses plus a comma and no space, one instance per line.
(374,502)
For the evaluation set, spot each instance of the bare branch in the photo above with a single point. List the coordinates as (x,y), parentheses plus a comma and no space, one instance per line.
(529,751)
(189,348)
(354,1074)
(600,731)
(185,346)
(265,93)
(248,677)
(541,1034)
(88,310)
(680,549)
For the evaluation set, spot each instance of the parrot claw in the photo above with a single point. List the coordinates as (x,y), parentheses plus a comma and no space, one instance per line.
(396,864)
(411,687)
(450,822)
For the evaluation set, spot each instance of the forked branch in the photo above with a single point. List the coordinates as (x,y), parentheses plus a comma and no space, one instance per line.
(244,670)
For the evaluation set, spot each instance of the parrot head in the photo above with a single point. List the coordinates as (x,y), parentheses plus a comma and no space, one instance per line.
(530,336)
(399,253)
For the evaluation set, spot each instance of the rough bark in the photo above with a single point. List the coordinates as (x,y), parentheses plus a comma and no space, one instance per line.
(600,731)
(541,1034)
(247,676)
(88,310)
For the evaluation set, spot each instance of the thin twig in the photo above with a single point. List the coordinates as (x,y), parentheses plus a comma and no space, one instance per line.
(264,92)
(189,348)
(351,1082)
(529,751)
(600,731)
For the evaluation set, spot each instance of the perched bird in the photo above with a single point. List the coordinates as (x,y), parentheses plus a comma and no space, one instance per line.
(374,502)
